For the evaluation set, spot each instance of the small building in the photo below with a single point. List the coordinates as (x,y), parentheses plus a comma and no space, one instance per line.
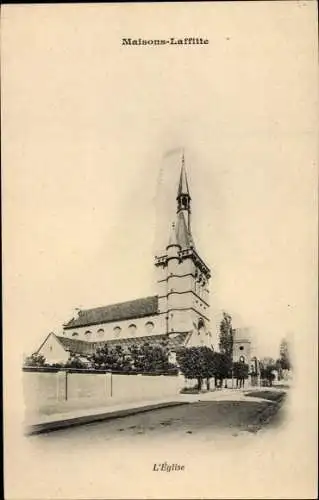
(242,345)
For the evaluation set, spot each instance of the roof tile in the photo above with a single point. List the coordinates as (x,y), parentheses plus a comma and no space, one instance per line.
(115,312)
(75,346)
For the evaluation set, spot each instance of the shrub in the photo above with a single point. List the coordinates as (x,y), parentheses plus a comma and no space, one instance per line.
(35,360)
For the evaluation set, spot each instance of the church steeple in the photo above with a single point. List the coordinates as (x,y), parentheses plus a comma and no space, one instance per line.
(183,197)
(182,276)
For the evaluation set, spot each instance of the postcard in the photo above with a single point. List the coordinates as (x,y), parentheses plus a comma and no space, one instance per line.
(159,187)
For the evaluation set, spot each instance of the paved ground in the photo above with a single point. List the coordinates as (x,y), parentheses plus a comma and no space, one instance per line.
(214,438)
(232,414)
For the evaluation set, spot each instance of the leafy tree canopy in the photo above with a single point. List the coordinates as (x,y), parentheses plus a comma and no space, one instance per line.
(203,363)
(34,360)
(75,362)
(226,336)
(284,358)
(240,370)
(138,358)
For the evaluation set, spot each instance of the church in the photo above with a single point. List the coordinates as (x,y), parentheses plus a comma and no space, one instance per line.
(179,314)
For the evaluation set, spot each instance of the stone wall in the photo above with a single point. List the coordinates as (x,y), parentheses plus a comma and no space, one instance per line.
(49,389)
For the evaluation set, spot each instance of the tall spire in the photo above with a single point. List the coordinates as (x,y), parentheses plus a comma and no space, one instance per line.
(183,184)
(183,197)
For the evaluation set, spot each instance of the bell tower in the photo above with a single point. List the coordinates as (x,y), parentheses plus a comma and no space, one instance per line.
(183,197)
(183,277)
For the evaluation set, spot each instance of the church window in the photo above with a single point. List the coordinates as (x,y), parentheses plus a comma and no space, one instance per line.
(88,334)
(149,326)
(100,333)
(117,330)
(132,329)
(241,348)
(201,323)
(75,334)
(242,359)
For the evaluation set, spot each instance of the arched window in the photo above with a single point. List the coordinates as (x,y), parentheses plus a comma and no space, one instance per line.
(132,329)
(88,335)
(75,334)
(242,359)
(117,330)
(201,323)
(149,326)
(100,333)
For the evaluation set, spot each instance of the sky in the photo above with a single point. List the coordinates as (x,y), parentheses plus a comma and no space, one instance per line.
(89,190)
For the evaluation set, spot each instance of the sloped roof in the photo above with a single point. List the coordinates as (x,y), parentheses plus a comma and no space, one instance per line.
(75,346)
(183,184)
(173,237)
(115,312)
(184,238)
(173,340)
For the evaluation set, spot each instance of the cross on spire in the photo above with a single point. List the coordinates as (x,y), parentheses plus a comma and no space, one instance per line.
(183,188)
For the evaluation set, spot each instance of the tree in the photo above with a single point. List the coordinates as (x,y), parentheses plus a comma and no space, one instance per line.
(240,372)
(221,367)
(267,368)
(110,358)
(196,363)
(143,358)
(226,336)
(267,374)
(34,360)
(267,361)
(75,362)
(284,355)
(279,369)
(152,359)
(208,364)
